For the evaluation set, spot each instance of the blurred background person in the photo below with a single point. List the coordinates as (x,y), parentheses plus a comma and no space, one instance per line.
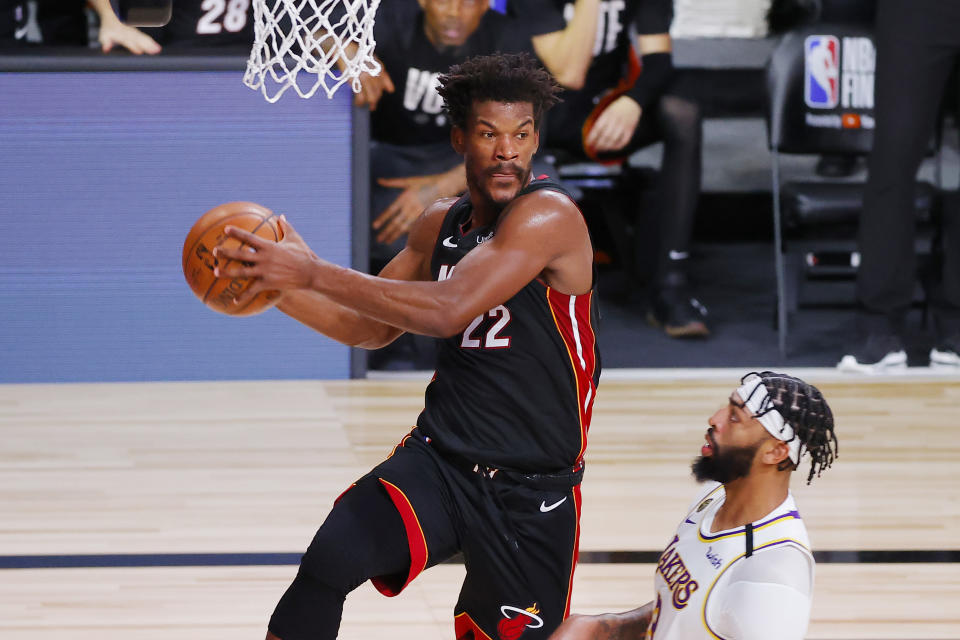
(627,101)
(918,42)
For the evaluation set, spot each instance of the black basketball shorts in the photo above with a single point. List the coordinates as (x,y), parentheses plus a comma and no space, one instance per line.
(518,534)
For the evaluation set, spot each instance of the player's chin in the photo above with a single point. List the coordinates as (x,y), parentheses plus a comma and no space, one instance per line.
(503,194)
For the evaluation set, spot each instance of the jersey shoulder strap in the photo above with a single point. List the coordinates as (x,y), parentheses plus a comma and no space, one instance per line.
(545,182)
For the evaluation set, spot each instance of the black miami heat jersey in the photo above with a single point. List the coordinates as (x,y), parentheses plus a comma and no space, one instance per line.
(514,389)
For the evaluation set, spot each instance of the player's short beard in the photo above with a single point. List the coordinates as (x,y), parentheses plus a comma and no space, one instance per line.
(725,465)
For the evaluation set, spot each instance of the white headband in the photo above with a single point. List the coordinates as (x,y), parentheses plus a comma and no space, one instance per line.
(756,399)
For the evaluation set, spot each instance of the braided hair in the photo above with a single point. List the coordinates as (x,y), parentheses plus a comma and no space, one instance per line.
(804,408)
(501,77)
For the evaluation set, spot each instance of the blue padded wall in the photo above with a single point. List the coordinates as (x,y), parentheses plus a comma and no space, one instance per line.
(102,175)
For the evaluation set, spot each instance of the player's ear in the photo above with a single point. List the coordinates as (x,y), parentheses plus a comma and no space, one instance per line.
(775,451)
(457,136)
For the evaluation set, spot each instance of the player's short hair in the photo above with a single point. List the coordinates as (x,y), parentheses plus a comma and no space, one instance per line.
(804,408)
(501,77)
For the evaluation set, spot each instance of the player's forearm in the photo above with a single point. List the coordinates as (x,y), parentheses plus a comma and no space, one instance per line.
(418,307)
(336,321)
(629,625)
(567,54)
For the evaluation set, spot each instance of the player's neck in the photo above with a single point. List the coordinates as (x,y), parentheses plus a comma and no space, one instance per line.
(750,499)
(483,212)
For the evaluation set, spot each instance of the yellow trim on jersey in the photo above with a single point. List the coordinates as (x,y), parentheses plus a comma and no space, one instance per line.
(706,596)
(744,532)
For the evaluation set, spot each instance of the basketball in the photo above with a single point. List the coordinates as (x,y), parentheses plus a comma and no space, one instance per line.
(199,262)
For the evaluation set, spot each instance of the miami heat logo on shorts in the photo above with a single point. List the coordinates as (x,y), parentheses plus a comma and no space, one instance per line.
(516,621)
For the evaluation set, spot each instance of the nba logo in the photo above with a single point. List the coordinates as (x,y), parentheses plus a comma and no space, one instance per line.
(822,72)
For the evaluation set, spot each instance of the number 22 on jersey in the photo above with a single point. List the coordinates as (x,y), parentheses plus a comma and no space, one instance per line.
(489,339)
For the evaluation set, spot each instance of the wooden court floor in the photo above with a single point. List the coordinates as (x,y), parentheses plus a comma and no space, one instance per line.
(93,473)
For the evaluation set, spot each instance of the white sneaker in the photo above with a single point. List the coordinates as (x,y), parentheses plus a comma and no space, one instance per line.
(946,359)
(879,353)
(891,362)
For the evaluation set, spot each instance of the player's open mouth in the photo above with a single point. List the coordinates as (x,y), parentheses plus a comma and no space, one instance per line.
(707,449)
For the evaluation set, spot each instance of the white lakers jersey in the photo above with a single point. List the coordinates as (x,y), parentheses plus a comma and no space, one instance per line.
(741,584)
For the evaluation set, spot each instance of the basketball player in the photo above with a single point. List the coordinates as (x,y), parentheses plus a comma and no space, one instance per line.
(627,103)
(503,276)
(411,161)
(739,566)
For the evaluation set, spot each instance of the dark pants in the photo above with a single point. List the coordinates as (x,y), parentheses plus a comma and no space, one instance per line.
(677,122)
(917,45)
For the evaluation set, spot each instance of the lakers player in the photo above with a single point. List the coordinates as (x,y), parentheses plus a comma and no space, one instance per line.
(739,566)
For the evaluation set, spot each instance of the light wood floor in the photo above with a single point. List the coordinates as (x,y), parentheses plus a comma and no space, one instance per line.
(254,467)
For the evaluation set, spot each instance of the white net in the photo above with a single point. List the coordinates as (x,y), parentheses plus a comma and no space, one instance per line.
(309,44)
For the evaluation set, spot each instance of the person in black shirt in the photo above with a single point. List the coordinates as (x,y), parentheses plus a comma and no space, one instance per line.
(628,102)
(504,277)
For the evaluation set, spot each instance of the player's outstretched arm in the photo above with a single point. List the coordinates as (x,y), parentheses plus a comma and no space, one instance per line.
(629,625)
(541,233)
(346,325)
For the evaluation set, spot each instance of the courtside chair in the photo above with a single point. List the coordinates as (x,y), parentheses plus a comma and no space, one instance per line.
(820,102)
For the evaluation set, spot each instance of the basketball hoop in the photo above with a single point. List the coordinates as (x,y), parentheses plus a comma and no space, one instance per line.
(309,44)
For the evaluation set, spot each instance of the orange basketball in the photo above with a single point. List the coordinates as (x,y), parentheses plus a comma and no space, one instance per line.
(198,260)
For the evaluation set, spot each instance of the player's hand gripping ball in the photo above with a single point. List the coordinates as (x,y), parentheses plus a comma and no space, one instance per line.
(199,261)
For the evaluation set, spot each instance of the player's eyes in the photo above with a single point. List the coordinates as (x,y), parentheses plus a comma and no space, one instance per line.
(522,135)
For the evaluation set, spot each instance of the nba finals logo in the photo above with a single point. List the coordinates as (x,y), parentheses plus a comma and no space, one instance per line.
(822,72)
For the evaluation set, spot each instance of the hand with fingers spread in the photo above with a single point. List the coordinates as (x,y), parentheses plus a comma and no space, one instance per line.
(113,32)
(615,126)
(419,192)
(135,41)
(281,266)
